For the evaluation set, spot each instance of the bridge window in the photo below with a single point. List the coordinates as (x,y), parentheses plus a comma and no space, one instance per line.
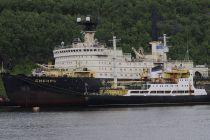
(153,92)
(134,91)
(167,91)
(143,91)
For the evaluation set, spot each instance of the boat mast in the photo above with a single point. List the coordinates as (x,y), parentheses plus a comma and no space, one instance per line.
(114,62)
(164,40)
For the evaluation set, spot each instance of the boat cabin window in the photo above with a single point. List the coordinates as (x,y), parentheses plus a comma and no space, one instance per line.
(134,92)
(144,91)
(153,92)
(167,91)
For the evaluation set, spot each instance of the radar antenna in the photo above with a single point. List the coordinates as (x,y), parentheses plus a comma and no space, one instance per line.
(62,44)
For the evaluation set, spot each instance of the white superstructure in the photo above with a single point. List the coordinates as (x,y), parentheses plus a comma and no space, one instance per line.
(182,87)
(97,57)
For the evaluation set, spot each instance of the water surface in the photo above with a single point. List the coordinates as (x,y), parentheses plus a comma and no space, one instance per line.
(128,123)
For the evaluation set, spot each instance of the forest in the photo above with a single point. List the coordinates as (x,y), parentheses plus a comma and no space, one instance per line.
(30,29)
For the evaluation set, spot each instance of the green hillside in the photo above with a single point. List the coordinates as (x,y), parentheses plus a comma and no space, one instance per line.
(30,29)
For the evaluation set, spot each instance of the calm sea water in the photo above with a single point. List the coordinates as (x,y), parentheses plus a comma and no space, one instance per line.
(137,123)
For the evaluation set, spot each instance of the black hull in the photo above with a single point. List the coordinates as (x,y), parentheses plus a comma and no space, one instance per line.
(48,91)
(107,100)
(30,91)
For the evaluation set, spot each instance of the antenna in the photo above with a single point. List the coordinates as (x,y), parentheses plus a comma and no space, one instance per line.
(187,55)
(164,40)
(62,44)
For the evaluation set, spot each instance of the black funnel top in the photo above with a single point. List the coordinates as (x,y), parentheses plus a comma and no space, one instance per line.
(154,23)
(88,22)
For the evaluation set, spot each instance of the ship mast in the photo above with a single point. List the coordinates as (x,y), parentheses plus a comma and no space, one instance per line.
(164,40)
(114,61)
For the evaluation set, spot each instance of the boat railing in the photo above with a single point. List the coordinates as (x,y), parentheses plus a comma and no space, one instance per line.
(58,47)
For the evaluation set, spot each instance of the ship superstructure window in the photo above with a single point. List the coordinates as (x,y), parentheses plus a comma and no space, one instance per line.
(167,92)
(144,91)
(134,91)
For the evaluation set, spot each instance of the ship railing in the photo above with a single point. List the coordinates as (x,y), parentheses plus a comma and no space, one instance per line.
(116,49)
(57,47)
(80,54)
(184,61)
